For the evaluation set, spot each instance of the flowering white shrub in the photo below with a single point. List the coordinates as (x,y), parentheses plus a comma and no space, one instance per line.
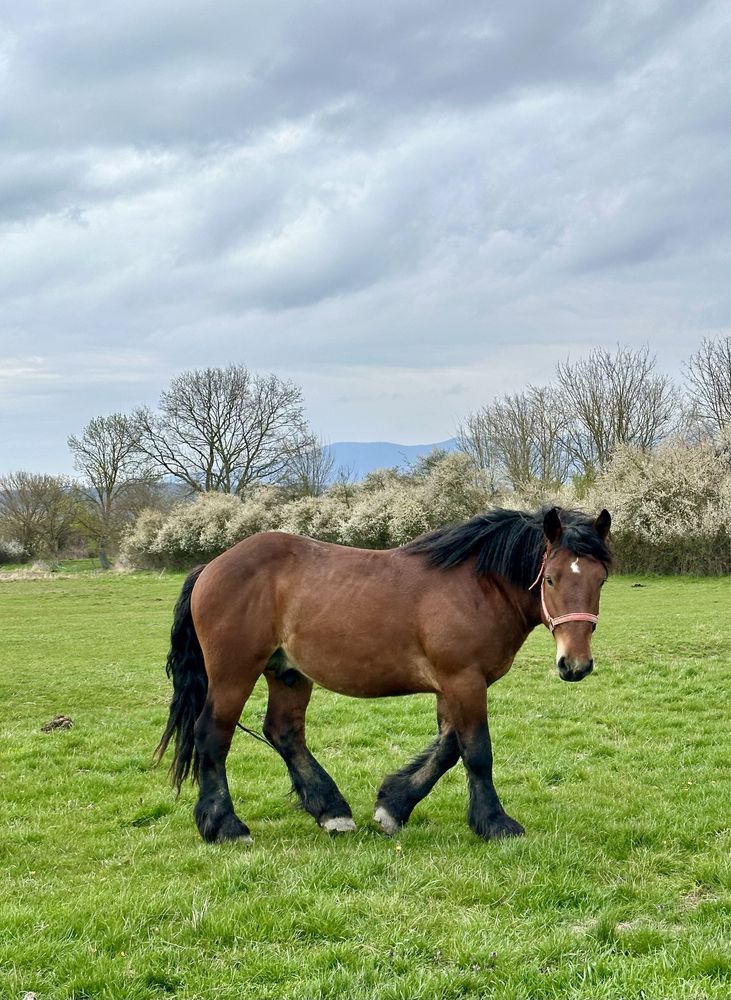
(195,532)
(191,532)
(387,517)
(256,513)
(380,479)
(390,509)
(671,511)
(409,514)
(136,548)
(12,551)
(450,492)
(319,517)
(671,508)
(534,495)
(367,524)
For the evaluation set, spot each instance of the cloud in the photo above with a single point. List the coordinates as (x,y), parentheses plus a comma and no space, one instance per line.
(354,189)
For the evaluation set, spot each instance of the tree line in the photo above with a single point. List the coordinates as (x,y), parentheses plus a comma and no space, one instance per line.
(231,431)
(219,430)
(571,428)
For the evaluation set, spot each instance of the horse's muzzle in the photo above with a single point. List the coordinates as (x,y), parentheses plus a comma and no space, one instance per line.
(574,670)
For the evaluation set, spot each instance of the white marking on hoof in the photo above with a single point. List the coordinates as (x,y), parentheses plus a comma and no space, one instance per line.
(386,821)
(575,566)
(246,840)
(339,824)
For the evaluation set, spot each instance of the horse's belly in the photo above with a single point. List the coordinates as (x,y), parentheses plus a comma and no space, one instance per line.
(360,676)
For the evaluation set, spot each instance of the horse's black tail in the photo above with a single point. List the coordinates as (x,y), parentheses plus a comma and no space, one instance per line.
(190,684)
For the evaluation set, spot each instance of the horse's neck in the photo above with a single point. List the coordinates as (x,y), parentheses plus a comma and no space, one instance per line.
(520,612)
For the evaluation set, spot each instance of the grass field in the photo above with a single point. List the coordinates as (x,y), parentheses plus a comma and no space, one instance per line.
(621,889)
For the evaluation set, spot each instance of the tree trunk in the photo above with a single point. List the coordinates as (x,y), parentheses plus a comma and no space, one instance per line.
(103,557)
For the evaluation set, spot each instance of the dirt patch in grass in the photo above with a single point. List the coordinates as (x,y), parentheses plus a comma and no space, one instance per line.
(693,899)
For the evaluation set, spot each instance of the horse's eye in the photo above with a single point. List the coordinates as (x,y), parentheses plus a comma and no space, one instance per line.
(549,581)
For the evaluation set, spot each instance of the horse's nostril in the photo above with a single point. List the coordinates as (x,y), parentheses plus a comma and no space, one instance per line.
(574,670)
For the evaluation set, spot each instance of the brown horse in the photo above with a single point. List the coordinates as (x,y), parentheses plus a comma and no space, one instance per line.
(445,614)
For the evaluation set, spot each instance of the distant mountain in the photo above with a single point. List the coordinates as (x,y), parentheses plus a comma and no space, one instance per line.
(362,457)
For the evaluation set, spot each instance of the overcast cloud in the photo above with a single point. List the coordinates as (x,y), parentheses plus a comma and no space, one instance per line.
(407,207)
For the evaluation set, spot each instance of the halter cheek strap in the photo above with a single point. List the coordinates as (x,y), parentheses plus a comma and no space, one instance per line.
(551,623)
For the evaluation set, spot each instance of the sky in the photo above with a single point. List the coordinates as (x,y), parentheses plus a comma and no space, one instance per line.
(406,207)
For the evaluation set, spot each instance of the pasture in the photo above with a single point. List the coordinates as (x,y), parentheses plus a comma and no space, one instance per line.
(621,889)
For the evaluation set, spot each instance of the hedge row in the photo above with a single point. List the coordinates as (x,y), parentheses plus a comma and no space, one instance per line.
(671,511)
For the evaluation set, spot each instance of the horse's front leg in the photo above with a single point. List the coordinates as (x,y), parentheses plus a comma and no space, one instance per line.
(403,789)
(466,698)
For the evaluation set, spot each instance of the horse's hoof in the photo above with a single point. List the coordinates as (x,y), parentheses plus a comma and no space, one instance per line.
(232,829)
(338,824)
(497,829)
(385,820)
(244,838)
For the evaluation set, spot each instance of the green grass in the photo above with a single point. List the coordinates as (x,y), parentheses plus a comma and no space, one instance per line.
(63,566)
(621,889)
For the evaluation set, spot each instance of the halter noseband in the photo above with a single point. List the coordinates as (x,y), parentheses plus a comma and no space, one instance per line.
(551,623)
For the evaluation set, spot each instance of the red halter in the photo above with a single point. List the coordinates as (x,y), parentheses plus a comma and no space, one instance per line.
(551,623)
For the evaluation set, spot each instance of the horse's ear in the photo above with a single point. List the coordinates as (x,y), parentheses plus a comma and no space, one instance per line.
(603,523)
(552,525)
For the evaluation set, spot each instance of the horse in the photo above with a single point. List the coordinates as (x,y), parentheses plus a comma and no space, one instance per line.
(444,614)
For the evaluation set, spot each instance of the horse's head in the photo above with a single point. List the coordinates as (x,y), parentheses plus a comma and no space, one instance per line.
(571,582)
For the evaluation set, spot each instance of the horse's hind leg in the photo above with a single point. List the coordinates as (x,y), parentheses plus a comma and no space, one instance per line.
(214,729)
(402,790)
(284,727)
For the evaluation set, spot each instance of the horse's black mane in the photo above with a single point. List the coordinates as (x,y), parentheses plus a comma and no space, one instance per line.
(509,542)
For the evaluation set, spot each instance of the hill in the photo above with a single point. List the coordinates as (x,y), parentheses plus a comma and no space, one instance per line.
(362,457)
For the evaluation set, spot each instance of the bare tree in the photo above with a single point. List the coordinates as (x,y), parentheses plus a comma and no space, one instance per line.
(117,478)
(520,438)
(708,377)
(344,486)
(551,457)
(309,467)
(614,399)
(474,437)
(38,511)
(511,424)
(223,429)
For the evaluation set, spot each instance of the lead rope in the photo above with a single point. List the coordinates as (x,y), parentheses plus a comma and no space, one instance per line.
(262,739)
